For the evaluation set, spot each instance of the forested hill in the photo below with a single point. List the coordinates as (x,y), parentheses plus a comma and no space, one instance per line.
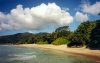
(87,34)
(16,38)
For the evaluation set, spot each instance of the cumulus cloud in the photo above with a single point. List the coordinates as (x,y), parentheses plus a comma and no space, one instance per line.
(35,18)
(92,9)
(81,17)
(66,9)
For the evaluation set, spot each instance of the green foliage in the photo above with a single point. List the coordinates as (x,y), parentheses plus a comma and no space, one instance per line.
(83,32)
(60,41)
(41,42)
(87,33)
(95,37)
(76,40)
(63,28)
(19,38)
(27,38)
(43,37)
(60,32)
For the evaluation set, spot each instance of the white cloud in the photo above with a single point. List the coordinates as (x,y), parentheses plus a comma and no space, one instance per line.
(80,17)
(34,18)
(66,9)
(92,9)
(30,31)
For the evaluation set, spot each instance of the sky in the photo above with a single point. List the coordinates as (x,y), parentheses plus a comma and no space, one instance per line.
(34,16)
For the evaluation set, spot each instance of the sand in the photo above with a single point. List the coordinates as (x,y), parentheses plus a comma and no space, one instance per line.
(94,54)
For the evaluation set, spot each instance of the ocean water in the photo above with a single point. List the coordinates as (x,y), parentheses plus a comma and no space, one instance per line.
(15,54)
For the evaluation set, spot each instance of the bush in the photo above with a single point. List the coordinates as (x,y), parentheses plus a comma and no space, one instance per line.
(60,41)
(41,42)
(76,41)
(94,44)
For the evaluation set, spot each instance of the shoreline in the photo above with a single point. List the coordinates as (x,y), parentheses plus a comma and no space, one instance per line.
(93,54)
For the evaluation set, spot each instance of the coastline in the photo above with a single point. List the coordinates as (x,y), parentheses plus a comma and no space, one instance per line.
(93,54)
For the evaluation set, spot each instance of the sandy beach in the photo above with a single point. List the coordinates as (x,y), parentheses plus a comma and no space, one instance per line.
(94,54)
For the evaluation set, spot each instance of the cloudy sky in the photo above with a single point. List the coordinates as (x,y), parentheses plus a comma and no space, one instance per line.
(17,16)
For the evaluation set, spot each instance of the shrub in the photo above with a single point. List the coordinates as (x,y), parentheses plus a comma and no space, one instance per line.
(41,42)
(60,41)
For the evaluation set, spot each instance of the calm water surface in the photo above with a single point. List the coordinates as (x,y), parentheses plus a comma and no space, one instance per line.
(14,54)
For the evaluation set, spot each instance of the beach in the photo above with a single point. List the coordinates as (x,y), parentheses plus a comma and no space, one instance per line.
(94,54)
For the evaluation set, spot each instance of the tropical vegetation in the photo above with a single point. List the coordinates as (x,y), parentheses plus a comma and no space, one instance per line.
(87,34)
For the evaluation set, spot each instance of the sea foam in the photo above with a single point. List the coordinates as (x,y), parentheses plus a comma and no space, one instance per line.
(22,57)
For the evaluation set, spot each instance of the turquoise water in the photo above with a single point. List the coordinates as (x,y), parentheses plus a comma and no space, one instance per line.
(14,54)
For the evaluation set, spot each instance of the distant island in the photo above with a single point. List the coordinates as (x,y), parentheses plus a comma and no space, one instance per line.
(87,34)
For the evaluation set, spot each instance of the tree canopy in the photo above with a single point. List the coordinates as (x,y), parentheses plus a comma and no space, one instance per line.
(87,34)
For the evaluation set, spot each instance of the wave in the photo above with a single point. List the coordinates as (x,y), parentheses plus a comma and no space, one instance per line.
(22,57)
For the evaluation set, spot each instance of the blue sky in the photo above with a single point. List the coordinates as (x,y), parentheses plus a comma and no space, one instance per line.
(75,10)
